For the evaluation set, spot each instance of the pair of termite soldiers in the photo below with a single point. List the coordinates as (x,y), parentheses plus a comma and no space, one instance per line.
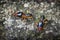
(42,23)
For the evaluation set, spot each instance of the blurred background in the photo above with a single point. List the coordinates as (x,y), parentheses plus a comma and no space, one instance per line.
(15,29)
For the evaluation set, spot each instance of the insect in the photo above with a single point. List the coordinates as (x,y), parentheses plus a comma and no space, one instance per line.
(23,15)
